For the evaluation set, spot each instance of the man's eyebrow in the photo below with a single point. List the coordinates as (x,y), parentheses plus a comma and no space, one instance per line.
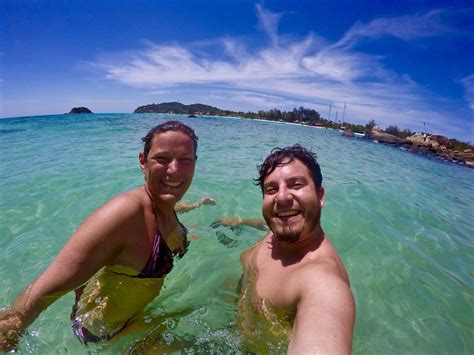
(265,184)
(297,177)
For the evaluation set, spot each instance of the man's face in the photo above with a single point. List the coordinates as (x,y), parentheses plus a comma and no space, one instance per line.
(291,203)
(169,167)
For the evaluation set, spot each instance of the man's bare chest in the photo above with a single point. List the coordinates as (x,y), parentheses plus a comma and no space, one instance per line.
(274,283)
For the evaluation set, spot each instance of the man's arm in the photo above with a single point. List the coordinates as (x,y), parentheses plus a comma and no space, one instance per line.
(93,245)
(325,314)
(184,206)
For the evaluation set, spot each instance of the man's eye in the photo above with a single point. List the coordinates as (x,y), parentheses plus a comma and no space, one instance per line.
(298,184)
(270,190)
(161,160)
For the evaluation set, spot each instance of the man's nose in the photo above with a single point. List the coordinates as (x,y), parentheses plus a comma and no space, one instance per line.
(283,196)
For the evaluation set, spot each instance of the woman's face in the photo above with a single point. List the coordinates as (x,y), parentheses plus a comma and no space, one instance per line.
(169,167)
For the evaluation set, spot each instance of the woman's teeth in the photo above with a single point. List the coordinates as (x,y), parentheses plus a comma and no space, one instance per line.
(172,184)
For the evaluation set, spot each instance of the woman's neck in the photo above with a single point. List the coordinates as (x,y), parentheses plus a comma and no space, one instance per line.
(163,210)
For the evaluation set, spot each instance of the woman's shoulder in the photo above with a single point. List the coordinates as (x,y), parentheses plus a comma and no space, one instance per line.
(129,203)
(135,196)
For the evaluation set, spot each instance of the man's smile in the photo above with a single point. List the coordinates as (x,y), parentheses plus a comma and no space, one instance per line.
(289,213)
(287,217)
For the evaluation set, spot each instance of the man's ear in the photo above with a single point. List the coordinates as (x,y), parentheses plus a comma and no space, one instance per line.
(141,159)
(321,196)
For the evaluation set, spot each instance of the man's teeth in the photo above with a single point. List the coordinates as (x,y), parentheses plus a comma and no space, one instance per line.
(287,214)
(172,184)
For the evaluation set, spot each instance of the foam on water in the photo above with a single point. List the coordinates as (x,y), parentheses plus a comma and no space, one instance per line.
(402,223)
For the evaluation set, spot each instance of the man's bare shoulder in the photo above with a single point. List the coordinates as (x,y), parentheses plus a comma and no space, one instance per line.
(323,268)
(321,282)
(248,256)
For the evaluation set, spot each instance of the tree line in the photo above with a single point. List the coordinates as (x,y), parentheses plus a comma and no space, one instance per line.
(300,115)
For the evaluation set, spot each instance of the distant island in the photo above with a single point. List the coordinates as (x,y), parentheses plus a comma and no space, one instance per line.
(424,143)
(179,108)
(77,110)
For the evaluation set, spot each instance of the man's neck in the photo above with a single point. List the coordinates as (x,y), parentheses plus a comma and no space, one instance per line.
(295,251)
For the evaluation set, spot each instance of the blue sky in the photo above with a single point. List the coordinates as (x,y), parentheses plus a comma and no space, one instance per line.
(404,63)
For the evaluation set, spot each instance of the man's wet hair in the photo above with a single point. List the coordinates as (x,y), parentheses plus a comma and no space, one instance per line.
(283,156)
(176,126)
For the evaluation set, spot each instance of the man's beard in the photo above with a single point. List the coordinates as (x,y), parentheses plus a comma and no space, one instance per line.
(292,233)
(287,234)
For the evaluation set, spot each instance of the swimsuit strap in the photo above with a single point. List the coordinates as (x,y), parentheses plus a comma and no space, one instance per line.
(184,233)
(160,261)
(151,263)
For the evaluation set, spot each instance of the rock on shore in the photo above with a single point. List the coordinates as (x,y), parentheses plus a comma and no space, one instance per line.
(377,134)
(429,144)
(348,133)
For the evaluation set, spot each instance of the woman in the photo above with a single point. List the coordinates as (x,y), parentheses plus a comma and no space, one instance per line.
(117,259)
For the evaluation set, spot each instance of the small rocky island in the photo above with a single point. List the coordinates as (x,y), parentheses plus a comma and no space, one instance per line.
(78,110)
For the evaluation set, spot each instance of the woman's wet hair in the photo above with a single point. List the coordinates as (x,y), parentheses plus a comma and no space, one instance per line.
(283,156)
(176,126)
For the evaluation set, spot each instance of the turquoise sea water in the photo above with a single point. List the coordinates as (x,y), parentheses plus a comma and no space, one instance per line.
(403,225)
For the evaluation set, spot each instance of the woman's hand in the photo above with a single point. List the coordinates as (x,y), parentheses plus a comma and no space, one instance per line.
(206,200)
(10,329)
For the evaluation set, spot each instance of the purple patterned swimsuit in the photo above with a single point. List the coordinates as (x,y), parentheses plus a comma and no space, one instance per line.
(159,264)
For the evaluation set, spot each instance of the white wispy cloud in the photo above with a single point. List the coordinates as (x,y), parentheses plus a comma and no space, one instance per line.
(408,27)
(468,83)
(308,70)
(269,22)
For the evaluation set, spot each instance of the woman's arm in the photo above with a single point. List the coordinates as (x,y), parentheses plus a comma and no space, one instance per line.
(95,243)
(184,206)
(233,222)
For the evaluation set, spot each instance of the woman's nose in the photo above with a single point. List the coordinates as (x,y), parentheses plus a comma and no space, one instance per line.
(173,166)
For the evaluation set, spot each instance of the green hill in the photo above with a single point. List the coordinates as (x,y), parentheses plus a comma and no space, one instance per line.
(179,108)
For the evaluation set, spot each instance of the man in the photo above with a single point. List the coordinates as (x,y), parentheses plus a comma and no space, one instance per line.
(116,261)
(293,277)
